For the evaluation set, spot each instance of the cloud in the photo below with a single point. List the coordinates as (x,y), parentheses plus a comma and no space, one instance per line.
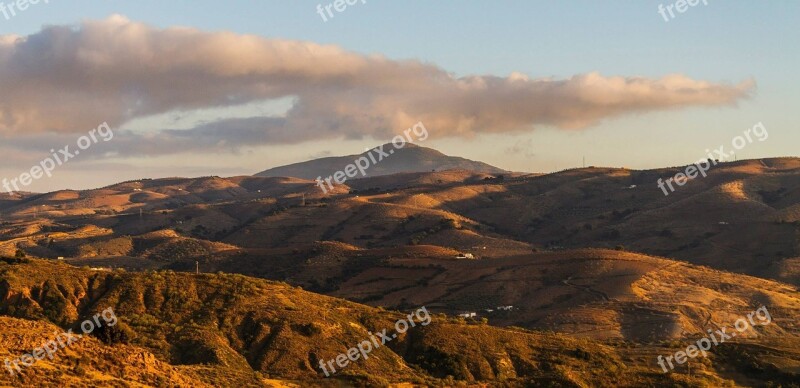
(68,79)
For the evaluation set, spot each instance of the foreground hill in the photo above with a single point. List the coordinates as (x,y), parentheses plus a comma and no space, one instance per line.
(85,361)
(225,330)
(409,159)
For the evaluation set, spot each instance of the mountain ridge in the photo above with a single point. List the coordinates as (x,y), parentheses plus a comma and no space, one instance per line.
(409,159)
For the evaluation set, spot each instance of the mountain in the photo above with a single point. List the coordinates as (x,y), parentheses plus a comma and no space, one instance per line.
(411,158)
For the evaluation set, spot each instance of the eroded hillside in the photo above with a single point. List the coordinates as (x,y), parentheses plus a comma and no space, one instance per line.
(219,329)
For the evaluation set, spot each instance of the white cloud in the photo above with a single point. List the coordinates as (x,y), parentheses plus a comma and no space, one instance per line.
(67,79)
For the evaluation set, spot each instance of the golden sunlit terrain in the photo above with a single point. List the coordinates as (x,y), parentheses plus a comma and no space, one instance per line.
(555,294)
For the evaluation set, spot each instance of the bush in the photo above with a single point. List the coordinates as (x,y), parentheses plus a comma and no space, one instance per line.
(440,364)
(14,260)
(117,334)
(582,354)
(307,329)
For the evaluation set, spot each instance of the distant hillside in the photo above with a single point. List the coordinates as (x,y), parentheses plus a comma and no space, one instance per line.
(744,217)
(411,158)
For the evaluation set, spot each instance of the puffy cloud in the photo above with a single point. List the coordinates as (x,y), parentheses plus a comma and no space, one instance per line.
(67,79)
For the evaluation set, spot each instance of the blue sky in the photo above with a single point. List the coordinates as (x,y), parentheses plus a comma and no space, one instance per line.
(722,42)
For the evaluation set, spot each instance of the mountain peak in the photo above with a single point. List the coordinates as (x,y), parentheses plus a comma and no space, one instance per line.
(410,158)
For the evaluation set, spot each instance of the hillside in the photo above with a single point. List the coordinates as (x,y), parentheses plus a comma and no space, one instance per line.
(592,257)
(230,329)
(85,360)
(743,217)
(593,293)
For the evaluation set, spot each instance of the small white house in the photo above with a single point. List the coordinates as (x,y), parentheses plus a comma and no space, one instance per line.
(468,315)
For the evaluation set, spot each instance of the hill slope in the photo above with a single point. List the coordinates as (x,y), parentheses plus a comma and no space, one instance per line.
(392,241)
(230,330)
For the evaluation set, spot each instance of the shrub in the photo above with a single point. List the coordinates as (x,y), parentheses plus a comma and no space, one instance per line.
(117,334)
(582,354)
(441,364)
(14,260)
(307,329)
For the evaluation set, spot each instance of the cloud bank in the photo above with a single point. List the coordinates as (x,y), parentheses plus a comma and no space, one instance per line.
(67,79)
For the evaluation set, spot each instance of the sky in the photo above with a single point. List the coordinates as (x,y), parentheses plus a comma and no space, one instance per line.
(197,88)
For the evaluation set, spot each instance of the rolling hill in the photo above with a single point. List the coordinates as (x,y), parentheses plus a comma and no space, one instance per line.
(590,258)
